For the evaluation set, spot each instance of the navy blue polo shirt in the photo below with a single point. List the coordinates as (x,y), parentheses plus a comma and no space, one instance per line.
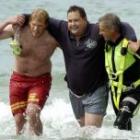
(84,60)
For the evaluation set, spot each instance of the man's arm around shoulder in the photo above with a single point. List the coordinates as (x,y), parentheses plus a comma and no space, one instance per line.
(6,27)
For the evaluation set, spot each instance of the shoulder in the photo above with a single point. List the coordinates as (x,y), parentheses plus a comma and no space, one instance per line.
(56,22)
(49,38)
(128,31)
(57,27)
(93,25)
(93,28)
(125,25)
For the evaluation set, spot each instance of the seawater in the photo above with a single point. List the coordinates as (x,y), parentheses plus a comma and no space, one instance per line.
(57,116)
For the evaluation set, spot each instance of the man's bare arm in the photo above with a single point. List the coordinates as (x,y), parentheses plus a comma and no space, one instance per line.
(6,27)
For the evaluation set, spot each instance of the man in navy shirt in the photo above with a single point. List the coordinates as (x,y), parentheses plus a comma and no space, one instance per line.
(83,52)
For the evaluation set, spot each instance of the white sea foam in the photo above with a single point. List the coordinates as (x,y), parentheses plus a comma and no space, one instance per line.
(60,124)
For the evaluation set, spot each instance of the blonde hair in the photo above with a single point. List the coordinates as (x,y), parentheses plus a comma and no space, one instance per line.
(39,14)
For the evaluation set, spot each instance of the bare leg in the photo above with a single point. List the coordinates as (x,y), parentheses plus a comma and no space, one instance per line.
(33,112)
(20,121)
(93,119)
(81,121)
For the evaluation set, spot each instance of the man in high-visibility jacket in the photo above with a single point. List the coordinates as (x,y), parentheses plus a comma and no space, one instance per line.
(123,68)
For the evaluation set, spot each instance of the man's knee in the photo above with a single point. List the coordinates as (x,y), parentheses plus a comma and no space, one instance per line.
(33,110)
(93,119)
(19,118)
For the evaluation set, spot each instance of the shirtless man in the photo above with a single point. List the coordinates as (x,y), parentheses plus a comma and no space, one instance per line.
(31,78)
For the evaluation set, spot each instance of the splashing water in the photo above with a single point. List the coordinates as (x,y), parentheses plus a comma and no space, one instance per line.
(60,124)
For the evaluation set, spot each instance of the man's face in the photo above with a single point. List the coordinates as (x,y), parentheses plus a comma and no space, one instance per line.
(106,32)
(76,24)
(37,27)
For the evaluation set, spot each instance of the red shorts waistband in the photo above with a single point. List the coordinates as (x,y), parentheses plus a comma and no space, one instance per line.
(21,77)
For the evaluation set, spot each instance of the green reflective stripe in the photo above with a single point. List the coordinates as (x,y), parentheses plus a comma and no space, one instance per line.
(122,65)
(119,73)
(136,83)
(121,68)
(130,59)
(125,88)
(124,61)
(108,69)
(125,43)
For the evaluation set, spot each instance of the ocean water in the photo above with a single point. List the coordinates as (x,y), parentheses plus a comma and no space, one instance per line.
(57,116)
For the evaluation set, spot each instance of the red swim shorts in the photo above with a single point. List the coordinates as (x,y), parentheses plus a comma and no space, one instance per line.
(27,89)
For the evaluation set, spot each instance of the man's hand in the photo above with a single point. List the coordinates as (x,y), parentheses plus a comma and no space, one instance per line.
(134,46)
(16,20)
